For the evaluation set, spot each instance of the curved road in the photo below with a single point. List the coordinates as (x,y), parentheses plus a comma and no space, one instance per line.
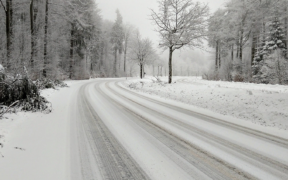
(119,134)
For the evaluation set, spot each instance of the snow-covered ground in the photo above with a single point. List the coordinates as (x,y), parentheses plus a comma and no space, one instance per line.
(98,130)
(35,145)
(262,104)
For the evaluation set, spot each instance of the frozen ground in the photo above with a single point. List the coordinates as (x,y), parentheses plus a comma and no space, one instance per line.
(99,129)
(266,105)
(34,145)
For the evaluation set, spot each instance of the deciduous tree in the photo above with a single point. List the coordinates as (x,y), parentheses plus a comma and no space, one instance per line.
(180,23)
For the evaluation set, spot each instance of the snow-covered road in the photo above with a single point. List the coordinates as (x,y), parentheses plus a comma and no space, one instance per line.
(119,134)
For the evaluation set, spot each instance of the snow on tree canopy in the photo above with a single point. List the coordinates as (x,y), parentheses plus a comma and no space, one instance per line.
(2,69)
(274,40)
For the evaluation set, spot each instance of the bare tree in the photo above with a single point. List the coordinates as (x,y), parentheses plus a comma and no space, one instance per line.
(128,29)
(142,50)
(117,39)
(180,23)
(45,39)
(33,16)
(8,13)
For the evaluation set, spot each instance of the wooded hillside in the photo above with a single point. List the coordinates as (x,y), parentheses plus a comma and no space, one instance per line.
(251,38)
(61,39)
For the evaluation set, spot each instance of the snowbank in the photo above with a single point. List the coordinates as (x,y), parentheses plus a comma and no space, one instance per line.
(36,145)
(262,104)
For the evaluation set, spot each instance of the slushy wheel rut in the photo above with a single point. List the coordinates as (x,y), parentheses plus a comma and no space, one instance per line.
(209,165)
(116,161)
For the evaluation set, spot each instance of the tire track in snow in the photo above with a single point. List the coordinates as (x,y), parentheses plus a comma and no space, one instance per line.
(195,156)
(258,134)
(113,160)
(257,159)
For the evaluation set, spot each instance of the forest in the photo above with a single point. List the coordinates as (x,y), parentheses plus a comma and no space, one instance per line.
(250,38)
(69,39)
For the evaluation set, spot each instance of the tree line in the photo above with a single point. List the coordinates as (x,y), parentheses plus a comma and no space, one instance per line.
(250,38)
(61,39)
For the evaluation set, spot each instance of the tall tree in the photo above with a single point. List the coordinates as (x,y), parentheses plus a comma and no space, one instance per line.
(180,23)
(142,51)
(45,39)
(128,29)
(72,34)
(216,34)
(81,33)
(117,37)
(33,17)
(9,14)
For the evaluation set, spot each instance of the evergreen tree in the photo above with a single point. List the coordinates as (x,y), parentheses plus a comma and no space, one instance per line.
(117,38)
(275,40)
(269,62)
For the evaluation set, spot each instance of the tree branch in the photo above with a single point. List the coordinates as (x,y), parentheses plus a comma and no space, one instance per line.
(9,108)
(3,6)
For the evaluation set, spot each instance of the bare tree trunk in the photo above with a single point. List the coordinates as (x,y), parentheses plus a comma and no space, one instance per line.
(253,46)
(115,63)
(232,52)
(71,51)
(240,53)
(170,65)
(241,45)
(141,69)
(45,40)
(119,62)
(8,12)
(32,27)
(216,56)
(91,68)
(125,54)
(286,30)
(22,45)
(102,55)
(237,44)
(219,56)
(262,41)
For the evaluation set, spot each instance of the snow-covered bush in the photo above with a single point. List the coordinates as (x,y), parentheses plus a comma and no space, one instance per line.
(45,83)
(273,70)
(226,70)
(238,78)
(223,73)
(211,75)
(158,81)
(2,73)
(20,92)
(132,85)
(270,64)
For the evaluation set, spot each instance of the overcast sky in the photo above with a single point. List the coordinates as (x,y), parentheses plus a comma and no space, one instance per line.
(137,12)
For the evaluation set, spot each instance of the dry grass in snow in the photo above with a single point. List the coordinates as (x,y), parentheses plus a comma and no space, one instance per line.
(266,105)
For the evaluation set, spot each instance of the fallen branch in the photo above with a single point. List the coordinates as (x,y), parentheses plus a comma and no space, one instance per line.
(158,80)
(9,108)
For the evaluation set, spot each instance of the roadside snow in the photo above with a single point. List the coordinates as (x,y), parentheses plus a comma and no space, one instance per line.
(266,105)
(36,145)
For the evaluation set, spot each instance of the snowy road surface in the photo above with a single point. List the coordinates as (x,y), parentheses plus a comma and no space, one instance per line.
(118,134)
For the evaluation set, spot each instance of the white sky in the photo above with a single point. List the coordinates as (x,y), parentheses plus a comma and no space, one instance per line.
(137,12)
